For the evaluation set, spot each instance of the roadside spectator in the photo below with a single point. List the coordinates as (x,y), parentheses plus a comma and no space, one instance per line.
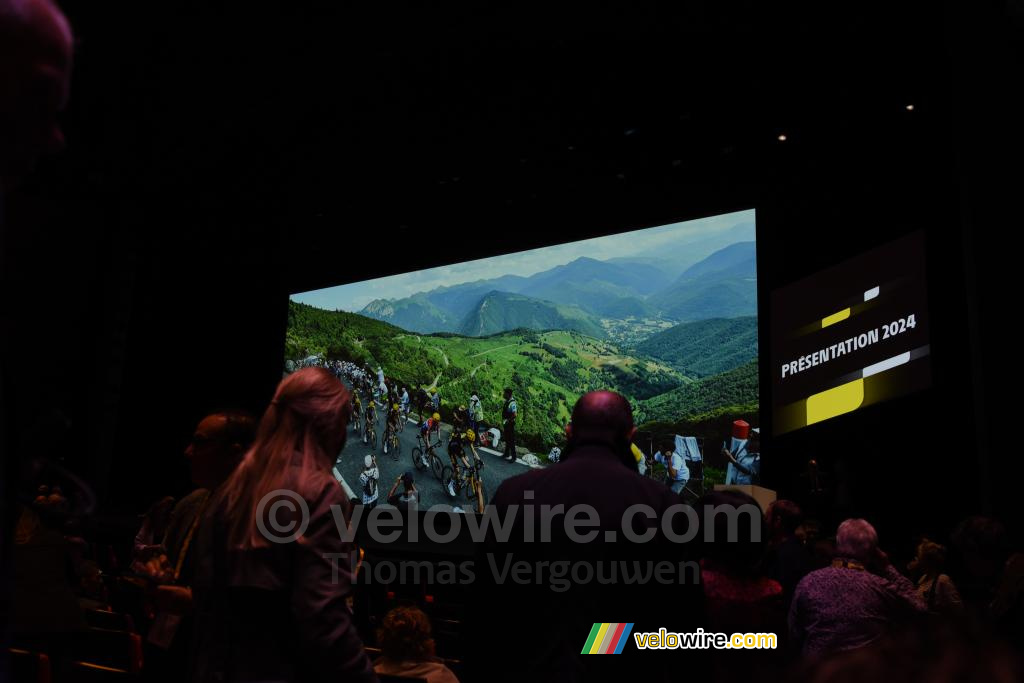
(676,471)
(370,480)
(509,415)
(407,496)
(744,466)
(476,413)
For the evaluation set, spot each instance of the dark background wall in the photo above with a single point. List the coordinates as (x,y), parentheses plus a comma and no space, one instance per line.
(221,155)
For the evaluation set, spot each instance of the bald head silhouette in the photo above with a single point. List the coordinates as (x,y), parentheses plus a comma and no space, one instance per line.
(602,416)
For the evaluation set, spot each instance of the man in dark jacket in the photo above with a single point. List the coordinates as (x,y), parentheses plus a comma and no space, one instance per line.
(557,590)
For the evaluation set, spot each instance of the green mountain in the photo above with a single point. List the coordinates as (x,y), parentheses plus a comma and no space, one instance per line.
(598,287)
(705,347)
(738,387)
(548,371)
(416,313)
(460,300)
(500,311)
(724,285)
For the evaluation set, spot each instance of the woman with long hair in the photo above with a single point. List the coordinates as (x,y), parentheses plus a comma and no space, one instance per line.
(274,571)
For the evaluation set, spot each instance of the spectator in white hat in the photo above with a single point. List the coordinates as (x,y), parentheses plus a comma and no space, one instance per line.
(370,478)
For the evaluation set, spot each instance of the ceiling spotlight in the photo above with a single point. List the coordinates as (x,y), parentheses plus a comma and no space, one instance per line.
(910,107)
(782,137)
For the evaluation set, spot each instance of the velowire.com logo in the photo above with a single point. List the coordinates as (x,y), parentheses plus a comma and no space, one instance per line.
(607,639)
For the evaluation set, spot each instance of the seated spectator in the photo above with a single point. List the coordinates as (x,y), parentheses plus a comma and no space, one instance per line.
(45,615)
(148,553)
(855,601)
(787,559)
(408,494)
(936,589)
(937,651)
(991,579)
(408,649)
(92,593)
(980,553)
(738,598)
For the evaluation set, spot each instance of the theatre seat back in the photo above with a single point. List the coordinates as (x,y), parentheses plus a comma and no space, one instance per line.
(120,650)
(31,667)
(387,678)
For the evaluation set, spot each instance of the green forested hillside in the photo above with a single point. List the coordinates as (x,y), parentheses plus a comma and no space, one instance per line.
(738,387)
(548,371)
(706,347)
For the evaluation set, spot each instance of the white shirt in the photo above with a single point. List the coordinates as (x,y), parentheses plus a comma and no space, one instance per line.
(678,464)
(366,475)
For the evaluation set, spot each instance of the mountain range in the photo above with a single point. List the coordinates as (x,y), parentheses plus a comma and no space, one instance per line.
(576,295)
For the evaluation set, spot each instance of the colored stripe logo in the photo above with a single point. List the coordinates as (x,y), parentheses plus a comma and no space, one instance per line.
(607,639)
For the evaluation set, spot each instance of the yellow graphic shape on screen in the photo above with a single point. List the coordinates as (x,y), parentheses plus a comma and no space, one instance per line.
(835,318)
(842,399)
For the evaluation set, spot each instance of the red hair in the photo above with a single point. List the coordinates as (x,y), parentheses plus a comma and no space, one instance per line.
(298,439)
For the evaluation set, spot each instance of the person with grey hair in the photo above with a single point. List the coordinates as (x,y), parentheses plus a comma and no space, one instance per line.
(853,602)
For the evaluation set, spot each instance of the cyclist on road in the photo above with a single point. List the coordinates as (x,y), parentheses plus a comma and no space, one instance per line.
(395,418)
(432,425)
(371,418)
(460,420)
(357,409)
(421,401)
(457,453)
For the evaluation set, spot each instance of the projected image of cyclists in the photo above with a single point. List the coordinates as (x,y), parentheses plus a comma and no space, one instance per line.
(465,375)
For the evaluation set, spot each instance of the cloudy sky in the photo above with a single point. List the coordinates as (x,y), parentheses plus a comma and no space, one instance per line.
(643,243)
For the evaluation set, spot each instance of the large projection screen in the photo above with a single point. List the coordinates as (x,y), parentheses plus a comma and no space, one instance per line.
(666,315)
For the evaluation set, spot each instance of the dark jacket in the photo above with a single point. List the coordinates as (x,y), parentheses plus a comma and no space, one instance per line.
(277,613)
(556,618)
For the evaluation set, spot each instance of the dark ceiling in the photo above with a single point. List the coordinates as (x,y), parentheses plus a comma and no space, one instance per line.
(222,154)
